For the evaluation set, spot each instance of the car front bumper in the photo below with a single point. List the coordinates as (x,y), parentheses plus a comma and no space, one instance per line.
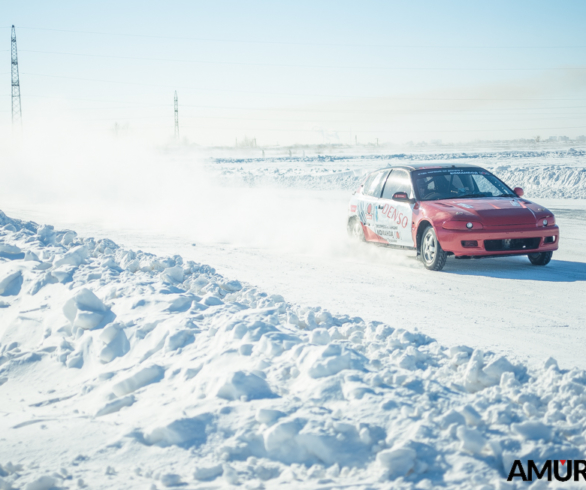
(501,240)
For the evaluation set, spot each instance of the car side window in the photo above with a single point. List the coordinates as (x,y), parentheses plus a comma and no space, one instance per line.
(368,182)
(398,181)
(373,186)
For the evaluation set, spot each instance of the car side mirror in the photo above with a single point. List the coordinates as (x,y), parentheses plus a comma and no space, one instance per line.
(518,191)
(401,196)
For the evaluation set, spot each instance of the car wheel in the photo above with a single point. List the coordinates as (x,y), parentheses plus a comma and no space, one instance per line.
(355,230)
(433,256)
(540,258)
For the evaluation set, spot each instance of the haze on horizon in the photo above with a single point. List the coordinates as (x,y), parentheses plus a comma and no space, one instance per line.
(303,72)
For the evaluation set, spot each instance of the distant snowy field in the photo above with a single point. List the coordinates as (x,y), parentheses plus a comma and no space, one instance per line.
(549,173)
(302,361)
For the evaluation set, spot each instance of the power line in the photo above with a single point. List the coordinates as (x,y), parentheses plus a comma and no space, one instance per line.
(306,95)
(406,111)
(518,111)
(581,116)
(95,100)
(283,65)
(317,130)
(293,43)
(115,108)
(374,122)
(312,111)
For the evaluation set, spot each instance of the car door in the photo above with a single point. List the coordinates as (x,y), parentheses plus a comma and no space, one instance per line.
(367,204)
(394,218)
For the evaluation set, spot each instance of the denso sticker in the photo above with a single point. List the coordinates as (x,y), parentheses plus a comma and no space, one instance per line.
(396,216)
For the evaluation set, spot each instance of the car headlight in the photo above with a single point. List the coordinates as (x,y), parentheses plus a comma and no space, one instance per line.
(544,222)
(462,225)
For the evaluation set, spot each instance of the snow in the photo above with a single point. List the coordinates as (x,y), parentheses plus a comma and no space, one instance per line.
(170,374)
(121,368)
(84,309)
(550,174)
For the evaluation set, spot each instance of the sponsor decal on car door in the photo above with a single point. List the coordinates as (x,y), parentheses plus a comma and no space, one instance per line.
(366,211)
(367,203)
(394,218)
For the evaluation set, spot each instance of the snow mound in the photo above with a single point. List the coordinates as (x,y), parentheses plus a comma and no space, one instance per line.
(141,370)
(551,181)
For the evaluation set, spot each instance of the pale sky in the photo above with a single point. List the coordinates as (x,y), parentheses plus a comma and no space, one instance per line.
(303,71)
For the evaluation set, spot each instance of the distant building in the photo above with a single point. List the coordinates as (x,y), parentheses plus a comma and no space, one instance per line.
(563,138)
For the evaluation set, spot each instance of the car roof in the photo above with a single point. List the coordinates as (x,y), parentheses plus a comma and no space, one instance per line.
(429,165)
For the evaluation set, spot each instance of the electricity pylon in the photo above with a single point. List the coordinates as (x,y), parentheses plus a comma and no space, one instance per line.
(16,107)
(176,117)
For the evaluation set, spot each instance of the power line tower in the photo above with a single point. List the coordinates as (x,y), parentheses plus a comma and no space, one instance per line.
(16,107)
(176,117)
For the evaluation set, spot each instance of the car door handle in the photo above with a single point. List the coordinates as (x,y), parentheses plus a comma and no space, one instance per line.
(380,207)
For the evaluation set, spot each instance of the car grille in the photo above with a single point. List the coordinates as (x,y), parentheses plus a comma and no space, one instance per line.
(511,244)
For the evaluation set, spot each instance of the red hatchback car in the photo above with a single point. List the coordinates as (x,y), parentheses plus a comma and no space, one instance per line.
(442,210)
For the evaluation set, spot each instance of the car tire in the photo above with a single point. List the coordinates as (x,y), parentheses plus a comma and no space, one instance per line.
(432,254)
(540,258)
(355,230)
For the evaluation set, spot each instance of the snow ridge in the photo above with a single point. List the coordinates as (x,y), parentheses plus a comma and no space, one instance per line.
(538,181)
(542,174)
(517,154)
(551,181)
(135,369)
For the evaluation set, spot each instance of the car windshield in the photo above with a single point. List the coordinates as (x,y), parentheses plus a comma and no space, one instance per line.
(458,183)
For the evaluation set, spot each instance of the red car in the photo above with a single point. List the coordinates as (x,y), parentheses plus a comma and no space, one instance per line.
(442,210)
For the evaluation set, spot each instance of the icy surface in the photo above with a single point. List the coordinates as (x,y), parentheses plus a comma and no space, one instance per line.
(122,369)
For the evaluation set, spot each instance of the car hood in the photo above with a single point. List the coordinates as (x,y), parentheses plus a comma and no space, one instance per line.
(498,211)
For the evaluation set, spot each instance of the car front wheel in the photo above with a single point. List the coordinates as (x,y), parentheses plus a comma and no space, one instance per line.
(540,258)
(433,256)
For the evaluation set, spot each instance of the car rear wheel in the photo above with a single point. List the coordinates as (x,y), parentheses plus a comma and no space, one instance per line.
(433,256)
(540,258)
(355,230)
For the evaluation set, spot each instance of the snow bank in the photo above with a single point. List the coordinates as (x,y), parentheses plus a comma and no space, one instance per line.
(188,377)
(545,174)
(550,181)
(474,155)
